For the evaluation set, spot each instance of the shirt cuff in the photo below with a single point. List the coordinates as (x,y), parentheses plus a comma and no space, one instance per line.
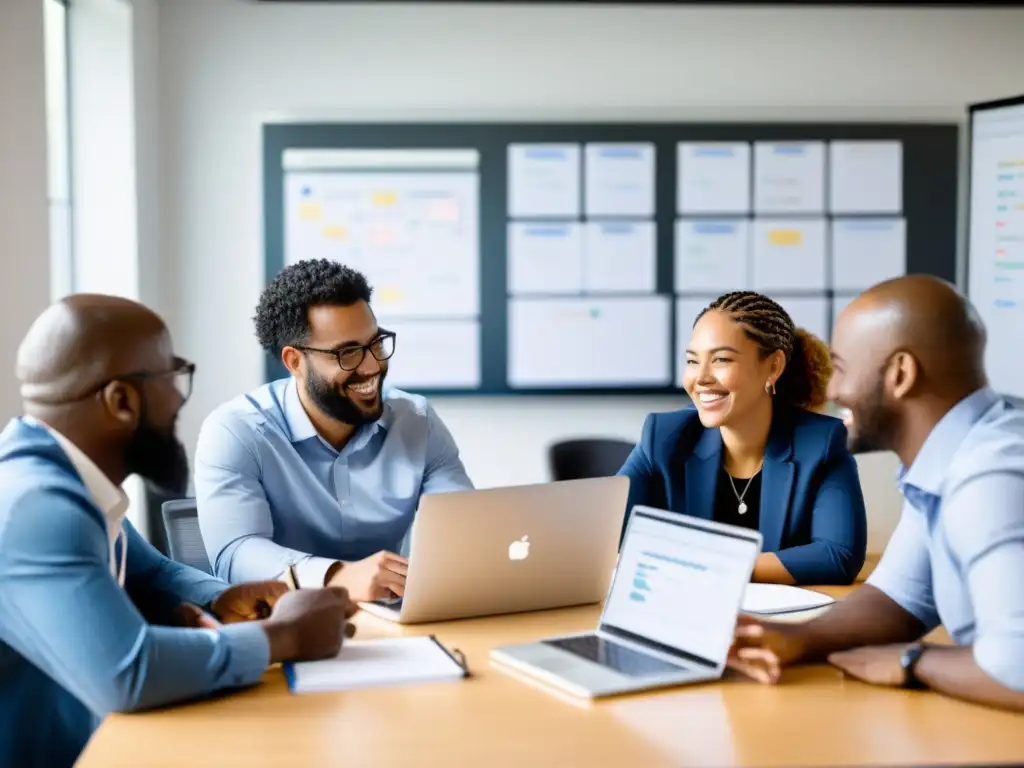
(999,657)
(312,571)
(249,652)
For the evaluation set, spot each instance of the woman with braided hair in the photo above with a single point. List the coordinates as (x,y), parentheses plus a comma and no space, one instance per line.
(752,450)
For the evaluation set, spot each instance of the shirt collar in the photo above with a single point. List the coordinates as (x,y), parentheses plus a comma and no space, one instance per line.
(111,499)
(941,445)
(300,427)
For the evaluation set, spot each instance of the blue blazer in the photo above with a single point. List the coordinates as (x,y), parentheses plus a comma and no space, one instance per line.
(812,506)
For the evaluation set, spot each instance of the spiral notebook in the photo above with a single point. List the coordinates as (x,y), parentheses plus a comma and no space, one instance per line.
(375,663)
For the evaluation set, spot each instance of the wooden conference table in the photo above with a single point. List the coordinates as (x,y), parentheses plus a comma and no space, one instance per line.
(814,717)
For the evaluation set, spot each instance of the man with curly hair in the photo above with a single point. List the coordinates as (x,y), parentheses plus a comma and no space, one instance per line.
(322,470)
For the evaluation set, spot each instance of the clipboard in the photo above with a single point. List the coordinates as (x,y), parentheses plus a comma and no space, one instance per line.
(415,660)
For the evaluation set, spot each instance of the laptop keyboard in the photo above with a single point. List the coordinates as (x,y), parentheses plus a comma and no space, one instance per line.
(620,658)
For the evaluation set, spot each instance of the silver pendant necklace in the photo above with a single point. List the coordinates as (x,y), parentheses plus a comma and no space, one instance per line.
(742,508)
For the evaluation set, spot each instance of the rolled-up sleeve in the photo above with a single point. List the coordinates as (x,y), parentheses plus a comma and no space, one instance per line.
(983,528)
(905,573)
(234,514)
(444,470)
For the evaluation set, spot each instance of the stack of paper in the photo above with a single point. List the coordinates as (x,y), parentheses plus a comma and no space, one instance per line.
(772,599)
(371,663)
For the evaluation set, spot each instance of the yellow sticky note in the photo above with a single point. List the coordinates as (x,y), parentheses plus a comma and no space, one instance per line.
(311,211)
(390,295)
(384,198)
(784,236)
(336,232)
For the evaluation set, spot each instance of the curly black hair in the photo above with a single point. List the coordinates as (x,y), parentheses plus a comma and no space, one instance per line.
(282,316)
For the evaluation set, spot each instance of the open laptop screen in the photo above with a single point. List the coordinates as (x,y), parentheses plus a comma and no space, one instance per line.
(679,585)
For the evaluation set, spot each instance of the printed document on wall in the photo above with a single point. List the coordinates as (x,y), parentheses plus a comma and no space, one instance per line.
(413,233)
(867,251)
(866,177)
(437,354)
(789,177)
(544,180)
(789,254)
(808,312)
(712,255)
(620,257)
(713,177)
(620,180)
(839,303)
(687,311)
(582,342)
(545,257)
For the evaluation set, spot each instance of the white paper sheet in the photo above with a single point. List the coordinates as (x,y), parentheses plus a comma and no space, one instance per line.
(544,180)
(789,177)
(612,342)
(808,312)
(789,254)
(620,257)
(687,310)
(373,663)
(414,234)
(867,251)
(713,177)
(712,255)
(839,303)
(866,176)
(769,599)
(545,257)
(434,354)
(620,180)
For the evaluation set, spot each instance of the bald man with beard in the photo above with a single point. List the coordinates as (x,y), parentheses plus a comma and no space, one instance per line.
(908,358)
(92,618)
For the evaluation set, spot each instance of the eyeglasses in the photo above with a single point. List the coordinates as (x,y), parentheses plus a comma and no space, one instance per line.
(183,372)
(351,357)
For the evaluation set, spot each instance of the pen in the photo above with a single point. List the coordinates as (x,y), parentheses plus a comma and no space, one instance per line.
(293,577)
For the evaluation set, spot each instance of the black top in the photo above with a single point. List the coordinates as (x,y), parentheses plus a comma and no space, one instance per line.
(727,505)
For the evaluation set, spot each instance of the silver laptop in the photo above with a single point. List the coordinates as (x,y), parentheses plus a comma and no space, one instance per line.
(506,550)
(669,617)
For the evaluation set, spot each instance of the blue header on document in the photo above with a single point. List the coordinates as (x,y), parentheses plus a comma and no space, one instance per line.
(715,227)
(617,228)
(867,225)
(629,153)
(547,230)
(546,153)
(714,151)
(790,149)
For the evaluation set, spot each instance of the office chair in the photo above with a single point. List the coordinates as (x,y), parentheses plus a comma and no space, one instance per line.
(184,540)
(589,457)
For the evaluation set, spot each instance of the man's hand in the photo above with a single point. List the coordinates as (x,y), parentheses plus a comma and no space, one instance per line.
(873,664)
(309,624)
(242,602)
(760,650)
(378,577)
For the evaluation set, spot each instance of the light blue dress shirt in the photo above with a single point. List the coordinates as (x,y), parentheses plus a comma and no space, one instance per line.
(272,493)
(957,554)
(74,645)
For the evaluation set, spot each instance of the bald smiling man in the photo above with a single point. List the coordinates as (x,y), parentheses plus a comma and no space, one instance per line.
(908,368)
(93,619)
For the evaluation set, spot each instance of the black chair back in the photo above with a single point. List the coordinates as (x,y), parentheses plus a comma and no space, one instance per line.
(590,457)
(184,539)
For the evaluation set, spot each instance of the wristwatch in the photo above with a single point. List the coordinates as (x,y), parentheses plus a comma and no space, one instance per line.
(908,661)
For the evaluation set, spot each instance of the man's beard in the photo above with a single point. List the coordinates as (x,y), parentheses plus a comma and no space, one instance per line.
(339,406)
(159,457)
(874,425)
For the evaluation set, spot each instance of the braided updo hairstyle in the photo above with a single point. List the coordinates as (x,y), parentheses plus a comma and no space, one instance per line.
(804,380)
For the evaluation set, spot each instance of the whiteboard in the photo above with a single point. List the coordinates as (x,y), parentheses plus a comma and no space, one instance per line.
(713,177)
(866,251)
(789,177)
(544,180)
(545,257)
(712,255)
(866,176)
(620,257)
(584,342)
(620,180)
(434,354)
(995,248)
(412,233)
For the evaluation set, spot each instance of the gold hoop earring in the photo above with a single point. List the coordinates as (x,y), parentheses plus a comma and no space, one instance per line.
(769,388)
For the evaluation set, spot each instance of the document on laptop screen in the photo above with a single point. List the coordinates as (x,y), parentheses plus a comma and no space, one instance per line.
(680,585)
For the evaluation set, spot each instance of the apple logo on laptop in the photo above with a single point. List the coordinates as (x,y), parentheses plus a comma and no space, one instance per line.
(519,550)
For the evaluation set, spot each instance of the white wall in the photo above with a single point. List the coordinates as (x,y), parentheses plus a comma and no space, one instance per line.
(24,242)
(226,65)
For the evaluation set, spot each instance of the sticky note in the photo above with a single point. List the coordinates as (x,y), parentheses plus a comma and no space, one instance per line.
(784,236)
(384,198)
(311,211)
(390,295)
(336,232)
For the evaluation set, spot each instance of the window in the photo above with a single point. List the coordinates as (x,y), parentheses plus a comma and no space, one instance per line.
(55,24)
